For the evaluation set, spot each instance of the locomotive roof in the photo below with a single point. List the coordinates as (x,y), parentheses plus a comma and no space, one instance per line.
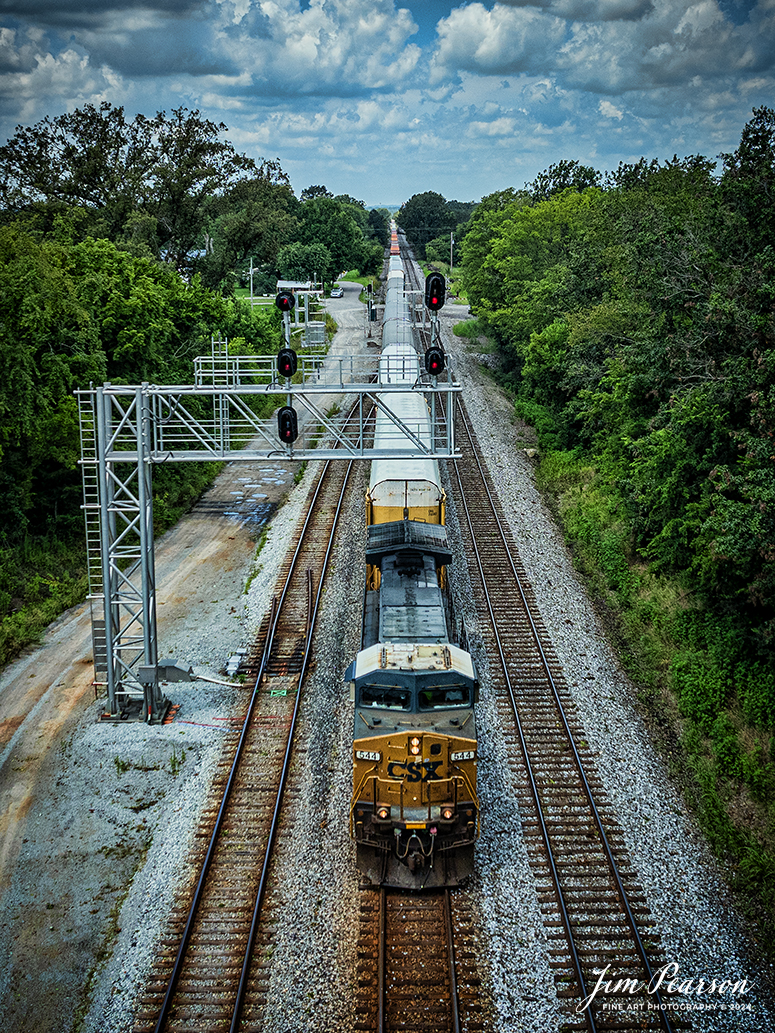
(398,535)
(400,656)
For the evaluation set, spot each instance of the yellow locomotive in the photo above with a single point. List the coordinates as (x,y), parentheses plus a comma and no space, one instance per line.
(414,813)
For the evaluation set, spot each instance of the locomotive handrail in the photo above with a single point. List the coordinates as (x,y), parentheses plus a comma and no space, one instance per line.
(396,787)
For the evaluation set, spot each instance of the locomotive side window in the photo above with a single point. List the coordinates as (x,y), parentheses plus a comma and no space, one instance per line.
(387,697)
(437,697)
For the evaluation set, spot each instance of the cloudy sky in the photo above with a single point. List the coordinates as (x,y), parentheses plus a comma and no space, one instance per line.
(383,98)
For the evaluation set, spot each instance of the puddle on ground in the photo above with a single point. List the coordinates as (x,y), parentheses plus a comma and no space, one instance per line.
(253,504)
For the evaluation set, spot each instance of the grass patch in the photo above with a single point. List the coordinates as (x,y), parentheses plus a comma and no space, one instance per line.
(259,300)
(256,565)
(354,276)
(468,328)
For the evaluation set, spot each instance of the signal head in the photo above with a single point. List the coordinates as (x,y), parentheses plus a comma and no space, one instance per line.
(287,362)
(287,425)
(435,361)
(435,291)
(285,301)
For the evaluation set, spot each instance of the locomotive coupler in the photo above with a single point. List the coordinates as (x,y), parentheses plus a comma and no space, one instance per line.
(415,845)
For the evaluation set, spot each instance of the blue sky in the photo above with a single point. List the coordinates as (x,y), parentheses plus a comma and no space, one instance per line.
(382,100)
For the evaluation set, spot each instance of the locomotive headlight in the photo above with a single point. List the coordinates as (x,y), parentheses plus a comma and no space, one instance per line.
(448,813)
(368,755)
(383,812)
(414,746)
(463,755)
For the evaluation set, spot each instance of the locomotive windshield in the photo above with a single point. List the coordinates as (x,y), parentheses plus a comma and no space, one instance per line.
(441,697)
(388,697)
(427,697)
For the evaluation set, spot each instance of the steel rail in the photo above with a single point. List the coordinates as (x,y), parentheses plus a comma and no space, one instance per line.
(454,1003)
(565,917)
(561,711)
(275,612)
(312,611)
(182,949)
(382,960)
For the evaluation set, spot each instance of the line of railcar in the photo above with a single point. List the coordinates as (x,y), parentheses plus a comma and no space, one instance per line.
(414,812)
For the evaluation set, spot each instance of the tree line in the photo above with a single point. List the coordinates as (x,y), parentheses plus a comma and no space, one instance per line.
(634,316)
(121,244)
(172,187)
(435,226)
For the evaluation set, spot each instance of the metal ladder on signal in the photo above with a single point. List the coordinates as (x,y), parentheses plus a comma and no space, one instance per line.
(87,420)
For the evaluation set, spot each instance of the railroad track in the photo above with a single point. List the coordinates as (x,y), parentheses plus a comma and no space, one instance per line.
(594,909)
(417,968)
(418,954)
(211,972)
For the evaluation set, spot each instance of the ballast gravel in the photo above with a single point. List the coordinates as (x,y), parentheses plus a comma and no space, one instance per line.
(150,785)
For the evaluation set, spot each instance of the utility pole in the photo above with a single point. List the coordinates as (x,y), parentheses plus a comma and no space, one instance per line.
(251,284)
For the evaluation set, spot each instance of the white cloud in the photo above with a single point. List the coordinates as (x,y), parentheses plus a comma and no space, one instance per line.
(497,127)
(663,41)
(64,81)
(504,40)
(608,109)
(332,46)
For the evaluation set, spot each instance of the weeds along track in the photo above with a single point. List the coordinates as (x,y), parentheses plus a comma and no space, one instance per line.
(594,909)
(209,972)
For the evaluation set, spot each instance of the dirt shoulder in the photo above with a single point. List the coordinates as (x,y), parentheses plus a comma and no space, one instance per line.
(77,810)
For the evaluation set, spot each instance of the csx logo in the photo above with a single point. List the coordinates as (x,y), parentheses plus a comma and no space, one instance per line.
(416,771)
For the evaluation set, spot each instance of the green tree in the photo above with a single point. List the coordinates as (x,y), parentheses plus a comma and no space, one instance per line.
(123,174)
(481,283)
(565,175)
(91,158)
(378,226)
(193,162)
(749,178)
(424,217)
(330,222)
(252,220)
(312,192)
(71,314)
(523,283)
(305,262)
(440,250)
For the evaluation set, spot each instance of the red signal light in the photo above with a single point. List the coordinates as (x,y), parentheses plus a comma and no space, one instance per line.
(287,424)
(287,362)
(285,301)
(434,361)
(435,291)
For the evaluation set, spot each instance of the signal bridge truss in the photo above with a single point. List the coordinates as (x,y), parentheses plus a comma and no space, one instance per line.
(127,430)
